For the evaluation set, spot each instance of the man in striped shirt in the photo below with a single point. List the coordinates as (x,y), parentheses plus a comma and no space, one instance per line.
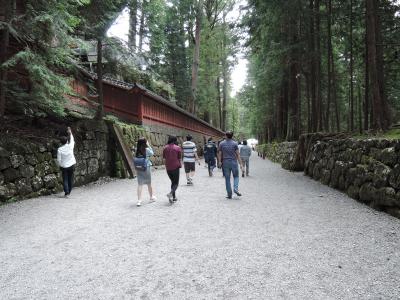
(189,158)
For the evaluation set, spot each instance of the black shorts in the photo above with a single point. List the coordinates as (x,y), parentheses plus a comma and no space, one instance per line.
(189,167)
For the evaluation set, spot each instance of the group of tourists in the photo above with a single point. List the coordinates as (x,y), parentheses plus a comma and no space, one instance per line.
(226,154)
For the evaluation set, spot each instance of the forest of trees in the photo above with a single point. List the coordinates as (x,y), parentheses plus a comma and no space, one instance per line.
(322,65)
(184,47)
(314,65)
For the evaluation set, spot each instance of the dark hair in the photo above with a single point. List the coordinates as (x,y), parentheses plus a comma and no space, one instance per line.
(210,139)
(172,139)
(141,147)
(63,140)
(229,134)
(245,143)
(188,137)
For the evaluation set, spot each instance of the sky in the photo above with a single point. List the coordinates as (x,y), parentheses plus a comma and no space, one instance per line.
(120,29)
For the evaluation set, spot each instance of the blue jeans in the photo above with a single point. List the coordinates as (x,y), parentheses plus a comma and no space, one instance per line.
(229,166)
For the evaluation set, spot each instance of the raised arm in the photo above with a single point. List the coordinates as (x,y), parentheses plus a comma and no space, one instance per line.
(71,137)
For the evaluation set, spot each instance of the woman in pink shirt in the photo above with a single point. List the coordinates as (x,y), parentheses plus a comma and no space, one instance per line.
(172,159)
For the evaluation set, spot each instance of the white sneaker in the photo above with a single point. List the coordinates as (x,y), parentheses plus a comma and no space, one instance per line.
(152,199)
(169,195)
(139,203)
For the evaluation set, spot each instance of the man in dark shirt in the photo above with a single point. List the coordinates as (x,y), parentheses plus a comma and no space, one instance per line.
(210,155)
(228,156)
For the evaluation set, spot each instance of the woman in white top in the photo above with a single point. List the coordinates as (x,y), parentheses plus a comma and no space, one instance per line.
(66,161)
(143,149)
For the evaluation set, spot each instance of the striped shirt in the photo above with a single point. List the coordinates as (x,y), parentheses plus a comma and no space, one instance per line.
(189,151)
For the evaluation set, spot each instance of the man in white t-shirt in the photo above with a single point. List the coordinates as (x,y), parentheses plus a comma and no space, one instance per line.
(66,161)
(189,158)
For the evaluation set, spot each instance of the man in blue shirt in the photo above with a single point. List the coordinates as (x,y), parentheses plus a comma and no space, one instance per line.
(228,156)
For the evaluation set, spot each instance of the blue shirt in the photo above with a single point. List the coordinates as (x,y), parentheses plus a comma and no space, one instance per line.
(228,149)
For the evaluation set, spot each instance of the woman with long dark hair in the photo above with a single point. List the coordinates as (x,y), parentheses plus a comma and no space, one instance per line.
(143,149)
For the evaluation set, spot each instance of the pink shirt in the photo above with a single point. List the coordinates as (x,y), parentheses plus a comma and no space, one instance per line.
(172,155)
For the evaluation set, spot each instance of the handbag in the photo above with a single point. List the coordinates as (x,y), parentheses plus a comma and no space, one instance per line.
(140,163)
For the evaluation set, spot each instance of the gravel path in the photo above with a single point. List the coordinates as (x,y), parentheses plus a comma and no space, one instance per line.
(288,237)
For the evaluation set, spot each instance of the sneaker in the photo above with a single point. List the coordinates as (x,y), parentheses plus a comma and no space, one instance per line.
(169,195)
(237,193)
(152,199)
(139,203)
(175,199)
(228,197)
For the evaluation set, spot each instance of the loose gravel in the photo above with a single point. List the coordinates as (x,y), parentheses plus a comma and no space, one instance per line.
(287,237)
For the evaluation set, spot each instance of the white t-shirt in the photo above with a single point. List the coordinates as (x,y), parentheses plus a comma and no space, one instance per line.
(65,154)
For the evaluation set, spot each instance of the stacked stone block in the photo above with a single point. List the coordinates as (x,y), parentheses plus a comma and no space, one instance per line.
(29,168)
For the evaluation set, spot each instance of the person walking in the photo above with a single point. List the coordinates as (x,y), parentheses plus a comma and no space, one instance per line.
(245,153)
(228,156)
(144,151)
(172,154)
(66,160)
(189,158)
(210,155)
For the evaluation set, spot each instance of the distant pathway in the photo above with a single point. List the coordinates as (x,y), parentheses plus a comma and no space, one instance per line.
(288,237)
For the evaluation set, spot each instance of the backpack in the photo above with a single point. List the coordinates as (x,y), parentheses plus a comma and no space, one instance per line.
(140,163)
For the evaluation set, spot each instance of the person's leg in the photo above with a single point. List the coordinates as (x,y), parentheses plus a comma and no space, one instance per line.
(139,194)
(70,178)
(150,189)
(243,166)
(175,183)
(227,174)
(64,174)
(187,171)
(235,172)
(247,166)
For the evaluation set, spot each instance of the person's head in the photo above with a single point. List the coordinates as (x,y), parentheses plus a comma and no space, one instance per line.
(63,140)
(210,139)
(188,137)
(245,143)
(172,139)
(141,147)
(229,134)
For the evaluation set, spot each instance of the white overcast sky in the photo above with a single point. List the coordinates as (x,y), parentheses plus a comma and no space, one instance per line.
(120,29)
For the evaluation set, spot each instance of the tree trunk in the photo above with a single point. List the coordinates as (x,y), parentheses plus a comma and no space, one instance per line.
(329,94)
(293,118)
(379,105)
(224,97)
(100,109)
(351,100)
(133,8)
(360,128)
(141,28)
(9,15)
(219,102)
(312,78)
(196,57)
(309,126)
(318,72)
(366,80)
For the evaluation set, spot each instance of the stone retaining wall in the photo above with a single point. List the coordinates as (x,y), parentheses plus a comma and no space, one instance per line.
(282,153)
(158,137)
(29,168)
(367,170)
